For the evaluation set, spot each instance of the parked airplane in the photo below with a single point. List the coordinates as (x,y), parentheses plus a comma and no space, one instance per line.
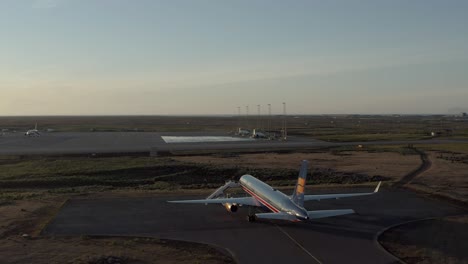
(243,132)
(257,134)
(33,132)
(282,206)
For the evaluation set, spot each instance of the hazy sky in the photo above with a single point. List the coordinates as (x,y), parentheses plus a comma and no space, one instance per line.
(66,57)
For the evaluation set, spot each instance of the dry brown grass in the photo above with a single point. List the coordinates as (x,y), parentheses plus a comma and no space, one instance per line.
(387,164)
(445,177)
(429,241)
(27,216)
(92,249)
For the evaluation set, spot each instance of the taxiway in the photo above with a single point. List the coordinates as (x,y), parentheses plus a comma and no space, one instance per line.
(150,142)
(332,240)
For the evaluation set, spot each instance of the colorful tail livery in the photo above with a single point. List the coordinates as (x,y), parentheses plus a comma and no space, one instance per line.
(298,195)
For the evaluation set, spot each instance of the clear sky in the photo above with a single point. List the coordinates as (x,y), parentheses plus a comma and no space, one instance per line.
(74,57)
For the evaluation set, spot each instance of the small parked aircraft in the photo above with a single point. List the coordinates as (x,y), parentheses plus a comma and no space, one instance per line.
(33,132)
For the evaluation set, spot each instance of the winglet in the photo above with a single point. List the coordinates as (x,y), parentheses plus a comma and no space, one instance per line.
(378,187)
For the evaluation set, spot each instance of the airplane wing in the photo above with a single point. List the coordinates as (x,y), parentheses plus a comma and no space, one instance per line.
(319,197)
(328,213)
(241,201)
(276,216)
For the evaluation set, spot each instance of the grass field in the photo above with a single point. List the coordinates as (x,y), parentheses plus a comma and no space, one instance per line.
(447,176)
(136,172)
(452,147)
(339,128)
(373,137)
(23,178)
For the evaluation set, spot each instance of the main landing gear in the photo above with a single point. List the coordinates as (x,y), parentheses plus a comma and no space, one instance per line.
(251,216)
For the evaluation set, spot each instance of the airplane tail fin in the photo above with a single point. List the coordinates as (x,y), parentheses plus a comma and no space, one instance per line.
(298,195)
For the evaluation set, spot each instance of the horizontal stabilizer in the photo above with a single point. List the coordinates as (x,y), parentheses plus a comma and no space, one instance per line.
(318,197)
(328,213)
(242,201)
(276,216)
(220,190)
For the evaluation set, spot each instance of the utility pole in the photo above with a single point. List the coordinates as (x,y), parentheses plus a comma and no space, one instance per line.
(239,121)
(285,123)
(246,117)
(258,117)
(269,120)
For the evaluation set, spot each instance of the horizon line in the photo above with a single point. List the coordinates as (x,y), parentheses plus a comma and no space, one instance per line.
(236,115)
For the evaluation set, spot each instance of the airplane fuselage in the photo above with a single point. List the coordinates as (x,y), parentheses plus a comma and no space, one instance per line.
(272,199)
(33,132)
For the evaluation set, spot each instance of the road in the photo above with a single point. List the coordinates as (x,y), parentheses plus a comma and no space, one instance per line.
(128,142)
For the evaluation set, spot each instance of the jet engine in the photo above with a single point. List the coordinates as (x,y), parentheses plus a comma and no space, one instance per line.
(231,207)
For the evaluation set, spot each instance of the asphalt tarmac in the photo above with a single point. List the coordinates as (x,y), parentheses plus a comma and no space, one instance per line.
(343,239)
(128,142)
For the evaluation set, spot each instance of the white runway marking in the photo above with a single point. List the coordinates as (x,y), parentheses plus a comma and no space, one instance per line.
(299,245)
(181,139)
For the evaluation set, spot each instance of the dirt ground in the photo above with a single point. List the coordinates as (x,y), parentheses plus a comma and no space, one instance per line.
(387,164)
(435,240)
(106,250)
(21,222)
(27,216)
(445,177)
(429,241)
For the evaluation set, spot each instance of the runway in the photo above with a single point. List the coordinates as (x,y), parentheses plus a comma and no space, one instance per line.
(131,142)
(332,240)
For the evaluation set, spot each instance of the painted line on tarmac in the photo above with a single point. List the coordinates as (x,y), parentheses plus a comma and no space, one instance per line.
(298,244)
